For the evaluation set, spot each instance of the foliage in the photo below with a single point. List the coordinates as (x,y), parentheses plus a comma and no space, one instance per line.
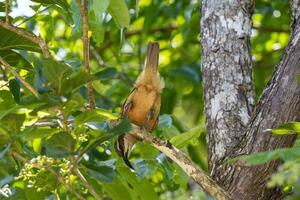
(57,130)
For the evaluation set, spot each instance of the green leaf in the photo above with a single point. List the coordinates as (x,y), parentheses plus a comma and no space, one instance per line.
(95,115)
(184,139)
(75,81)
(97,30)
(99,7)
(75,103)
(34,132)
(103,171)
(7,103)
(168,170)
(96,17)
(33,194)
(76,16)
(107,74)
(59,145)
(14,87)
(288,128)
(119,11)
(13,122)
(16,60)
(62,3)
(10,40)
(123,127)
(143,188)
(117,190)
(264,157)
(55,73)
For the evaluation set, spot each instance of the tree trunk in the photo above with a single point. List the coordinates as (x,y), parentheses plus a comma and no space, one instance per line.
(227,78)
(229,132)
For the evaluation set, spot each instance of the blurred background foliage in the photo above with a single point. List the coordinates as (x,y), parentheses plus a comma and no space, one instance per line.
(57,131)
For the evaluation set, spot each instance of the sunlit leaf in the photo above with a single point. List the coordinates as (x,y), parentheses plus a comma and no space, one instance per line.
(184,139)
(96,17)
(265,157)
(119,11)
(95,115)
(288,128)
(33,132)
(62,3)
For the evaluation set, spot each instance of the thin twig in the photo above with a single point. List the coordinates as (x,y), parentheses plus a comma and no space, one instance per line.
(33,38)
(97,56)
(185,163)
(87,185)
(86,49)
(6,11)
(33,16)
(17,76)
(49,169)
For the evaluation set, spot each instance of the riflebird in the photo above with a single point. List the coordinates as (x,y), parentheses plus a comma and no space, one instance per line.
(142,106)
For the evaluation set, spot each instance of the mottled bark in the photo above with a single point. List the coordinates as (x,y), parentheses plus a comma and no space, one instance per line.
(227,77)
(228,136)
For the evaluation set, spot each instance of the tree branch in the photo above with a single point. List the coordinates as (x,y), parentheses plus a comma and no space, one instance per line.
(279,103)
(86,49)
(6,11)
(17,76)
(185,163)
(33,38)
(69,187)
(227,78)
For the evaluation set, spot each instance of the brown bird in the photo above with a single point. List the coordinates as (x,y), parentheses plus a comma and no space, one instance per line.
(142,106)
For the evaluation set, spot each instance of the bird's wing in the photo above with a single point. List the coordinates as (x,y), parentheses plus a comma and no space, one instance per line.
(154,113)
(128,103)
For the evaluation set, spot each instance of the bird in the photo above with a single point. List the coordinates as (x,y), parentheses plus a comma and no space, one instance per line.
(142,106)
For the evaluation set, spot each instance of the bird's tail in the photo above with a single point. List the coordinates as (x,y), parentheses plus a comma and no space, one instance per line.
(152,56)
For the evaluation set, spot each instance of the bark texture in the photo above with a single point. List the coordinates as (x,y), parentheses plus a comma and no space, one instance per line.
(227,77)
(279,103)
